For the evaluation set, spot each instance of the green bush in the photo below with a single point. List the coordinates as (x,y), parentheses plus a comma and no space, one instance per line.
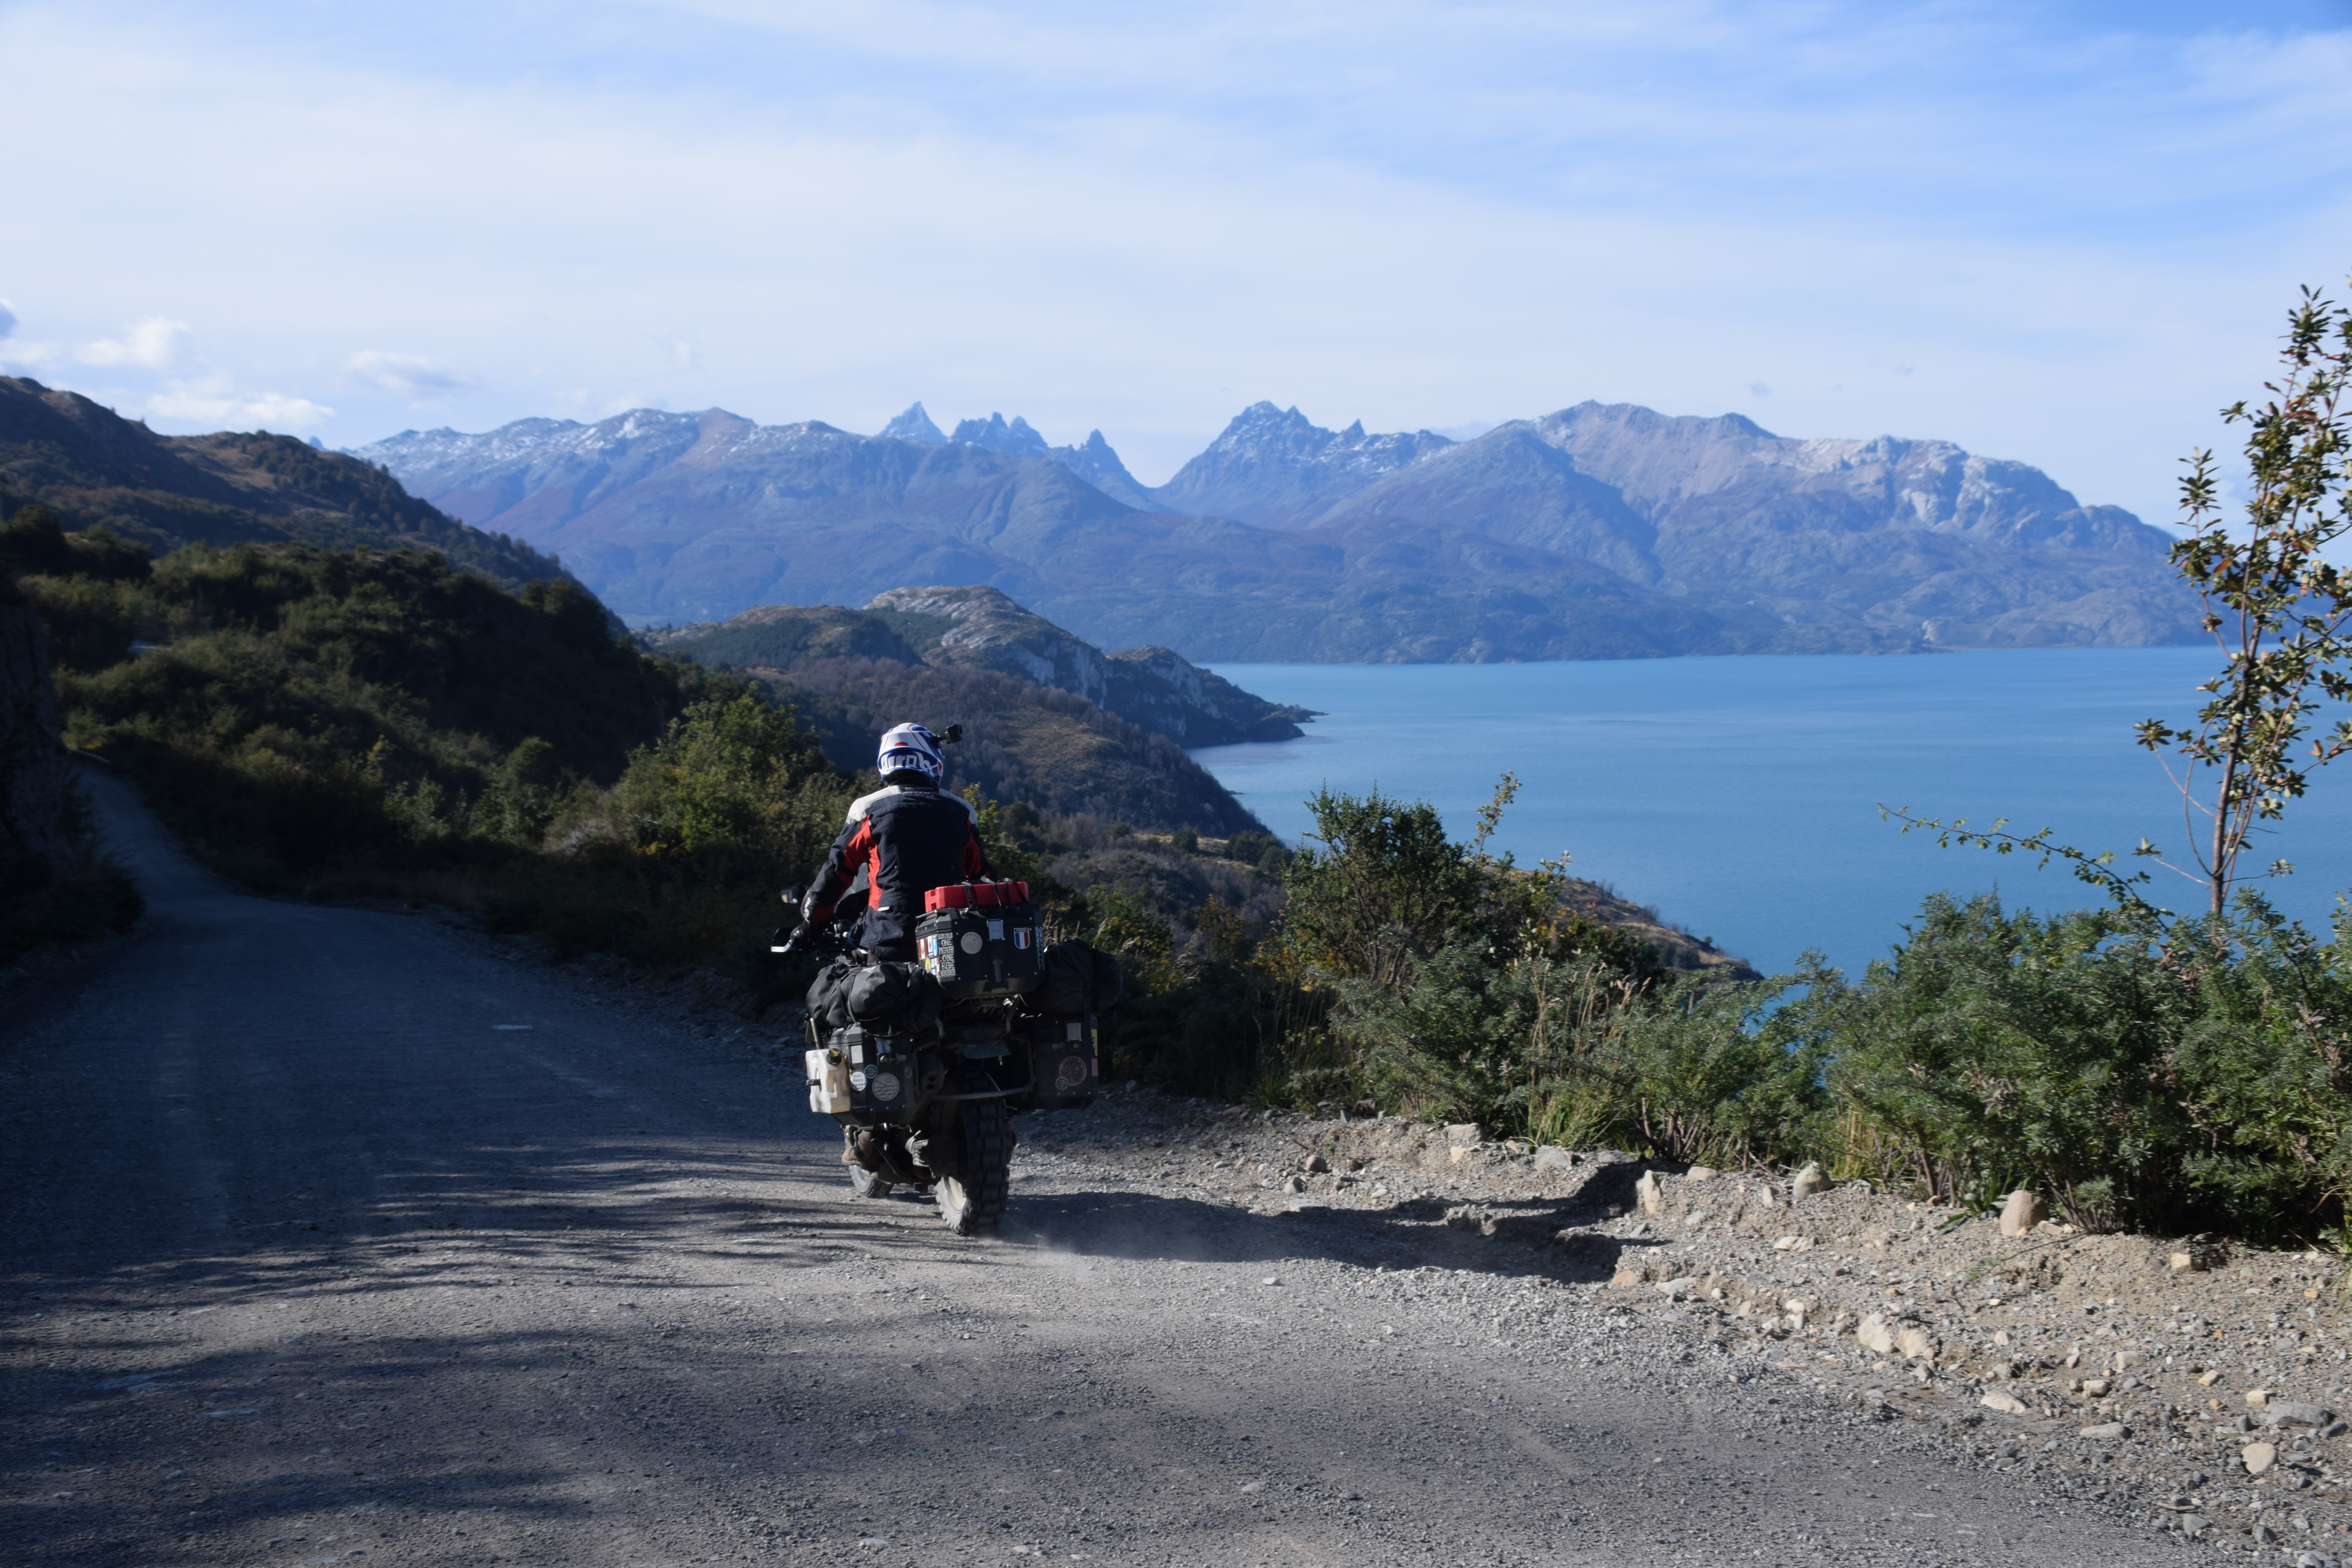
(1379,888)
(82,904)
(2181,1076)
(2263,1075)
(1575,1051)
(1994,1050)
(89,897)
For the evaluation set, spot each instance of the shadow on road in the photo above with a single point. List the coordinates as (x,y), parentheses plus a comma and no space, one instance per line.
(1516,1238)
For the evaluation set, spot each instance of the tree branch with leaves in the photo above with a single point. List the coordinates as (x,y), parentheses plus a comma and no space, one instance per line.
(2277,609)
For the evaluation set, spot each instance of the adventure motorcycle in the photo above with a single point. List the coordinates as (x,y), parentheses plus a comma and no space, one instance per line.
(922,1064)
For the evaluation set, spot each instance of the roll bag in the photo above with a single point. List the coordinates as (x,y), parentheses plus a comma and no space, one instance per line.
(895,998)
(1078,979)
(828,994)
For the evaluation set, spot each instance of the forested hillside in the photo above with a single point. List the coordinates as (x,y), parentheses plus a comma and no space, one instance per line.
(371,722)
(90,468)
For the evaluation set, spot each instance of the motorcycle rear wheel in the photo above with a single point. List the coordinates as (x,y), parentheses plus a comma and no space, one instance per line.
(972,1196)
(865,1184)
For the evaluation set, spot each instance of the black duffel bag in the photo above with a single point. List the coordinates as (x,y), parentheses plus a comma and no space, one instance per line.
(1079,979)
(828,994)
(893,998)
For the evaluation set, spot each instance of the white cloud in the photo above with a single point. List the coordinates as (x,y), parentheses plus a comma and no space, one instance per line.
(7,320)
(1397,211)
(216,403)
(412,376)
(153,343)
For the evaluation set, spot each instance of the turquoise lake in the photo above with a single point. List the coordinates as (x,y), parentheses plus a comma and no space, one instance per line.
(1740,795)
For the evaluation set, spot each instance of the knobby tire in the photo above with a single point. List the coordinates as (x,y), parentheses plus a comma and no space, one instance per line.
(971,1200)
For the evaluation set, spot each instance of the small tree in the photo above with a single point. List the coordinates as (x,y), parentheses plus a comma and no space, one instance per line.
(2276,606)
(1378,887)
(2280,611)
(733,770)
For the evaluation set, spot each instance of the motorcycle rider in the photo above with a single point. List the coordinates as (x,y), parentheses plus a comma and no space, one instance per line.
(908,837)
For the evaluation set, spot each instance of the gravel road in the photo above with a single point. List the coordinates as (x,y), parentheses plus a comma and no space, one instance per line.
(339,1234)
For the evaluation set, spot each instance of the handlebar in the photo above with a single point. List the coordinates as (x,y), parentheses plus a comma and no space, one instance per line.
(827,940)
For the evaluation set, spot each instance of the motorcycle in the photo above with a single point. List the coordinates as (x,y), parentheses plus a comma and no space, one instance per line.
(923,1064)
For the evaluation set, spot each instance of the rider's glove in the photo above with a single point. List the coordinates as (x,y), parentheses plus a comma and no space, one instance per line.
(813,912)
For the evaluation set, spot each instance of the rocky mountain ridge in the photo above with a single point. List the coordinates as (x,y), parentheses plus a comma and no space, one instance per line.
(1092,460)
(979,628)
(1276,468)
(1593,531)
(1909,537)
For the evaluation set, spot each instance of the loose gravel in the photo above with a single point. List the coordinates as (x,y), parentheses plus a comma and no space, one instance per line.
(347,1236)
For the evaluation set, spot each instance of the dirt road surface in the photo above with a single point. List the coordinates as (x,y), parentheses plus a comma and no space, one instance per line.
(332,1236)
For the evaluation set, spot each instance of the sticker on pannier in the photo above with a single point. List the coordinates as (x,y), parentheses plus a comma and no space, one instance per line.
(981,952)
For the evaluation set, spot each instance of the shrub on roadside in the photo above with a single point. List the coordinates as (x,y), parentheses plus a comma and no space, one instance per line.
(83,901)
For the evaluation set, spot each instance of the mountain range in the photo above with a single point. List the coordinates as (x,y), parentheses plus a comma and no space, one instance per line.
(1599,530)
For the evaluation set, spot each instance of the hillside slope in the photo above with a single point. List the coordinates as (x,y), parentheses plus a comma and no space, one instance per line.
(979,628)
(93,468)
(1039,744)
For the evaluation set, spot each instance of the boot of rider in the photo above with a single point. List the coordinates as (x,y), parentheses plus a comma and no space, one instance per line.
(857,1148)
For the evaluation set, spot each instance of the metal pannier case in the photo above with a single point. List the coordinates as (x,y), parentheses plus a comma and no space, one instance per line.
(1064,1069)
(866,1075)
(992,949)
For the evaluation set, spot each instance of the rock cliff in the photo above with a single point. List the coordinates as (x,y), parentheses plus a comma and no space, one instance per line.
(982,628)
(1276,467)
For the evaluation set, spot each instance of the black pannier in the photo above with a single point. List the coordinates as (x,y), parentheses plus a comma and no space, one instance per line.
(886,1075)
(1079,979)
(1063,1066)
(982,952)
(895,998)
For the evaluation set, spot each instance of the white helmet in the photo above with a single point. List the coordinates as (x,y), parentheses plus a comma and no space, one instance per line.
(911,748)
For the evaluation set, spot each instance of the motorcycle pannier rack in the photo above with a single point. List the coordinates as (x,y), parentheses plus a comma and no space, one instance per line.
(990,945)
(975,895)
(1064,1069)
(866,1076)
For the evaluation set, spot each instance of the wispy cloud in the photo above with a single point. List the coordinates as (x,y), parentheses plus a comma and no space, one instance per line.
(216,402)
(7,320)
(2062,234)
(156,342)
(412,377)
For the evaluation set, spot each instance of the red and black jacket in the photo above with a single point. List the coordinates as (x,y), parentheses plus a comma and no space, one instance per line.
(907,841)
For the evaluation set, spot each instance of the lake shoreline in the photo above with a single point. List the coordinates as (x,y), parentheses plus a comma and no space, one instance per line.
(1739,795)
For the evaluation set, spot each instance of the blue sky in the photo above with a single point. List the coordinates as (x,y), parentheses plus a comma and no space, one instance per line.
(2063,233)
